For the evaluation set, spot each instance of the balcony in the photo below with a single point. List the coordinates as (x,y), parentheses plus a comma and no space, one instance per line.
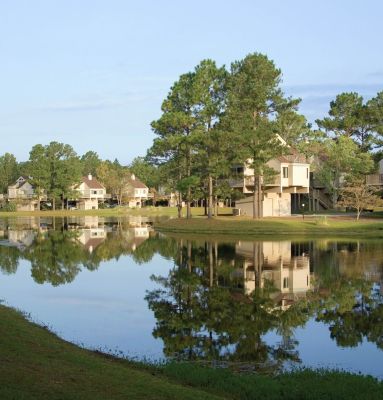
(375,180)
(92,194)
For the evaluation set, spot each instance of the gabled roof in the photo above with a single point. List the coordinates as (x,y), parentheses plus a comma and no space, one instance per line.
(293,157)
(137,184)
(92,183)
(19,183)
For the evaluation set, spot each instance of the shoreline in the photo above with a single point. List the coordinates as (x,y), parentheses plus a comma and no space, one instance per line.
(37,364)
(317,226)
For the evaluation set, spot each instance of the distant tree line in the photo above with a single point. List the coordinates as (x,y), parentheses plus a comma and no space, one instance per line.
(55,169)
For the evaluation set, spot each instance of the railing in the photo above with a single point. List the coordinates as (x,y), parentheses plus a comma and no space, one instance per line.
(87,194)
(375,179)
(237,182)
(323,199)
(22,196)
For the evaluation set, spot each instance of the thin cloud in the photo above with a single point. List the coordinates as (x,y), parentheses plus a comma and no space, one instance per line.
(99,104)
(376,74)
(317,90)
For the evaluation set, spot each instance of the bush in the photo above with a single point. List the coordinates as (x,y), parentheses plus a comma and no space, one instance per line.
(8,207)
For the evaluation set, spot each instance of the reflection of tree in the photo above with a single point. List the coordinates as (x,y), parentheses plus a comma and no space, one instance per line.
(353,310)
(198,319)
(202,311)
(55,257)
(9,259)
(155,244)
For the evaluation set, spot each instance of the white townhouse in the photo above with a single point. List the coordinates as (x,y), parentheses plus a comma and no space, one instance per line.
(91,193)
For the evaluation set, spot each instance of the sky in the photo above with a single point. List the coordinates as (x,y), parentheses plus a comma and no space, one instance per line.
(93,73)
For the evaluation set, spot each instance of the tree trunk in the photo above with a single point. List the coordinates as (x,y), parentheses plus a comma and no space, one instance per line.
(179,205)
(259,193)
(54,203)
(211,265)
(38,200)
(255,198)
(210,193)
(189,252)
(216,206)
(188,209)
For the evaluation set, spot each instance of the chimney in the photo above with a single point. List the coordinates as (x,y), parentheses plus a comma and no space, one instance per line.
(133,177)
(90,177)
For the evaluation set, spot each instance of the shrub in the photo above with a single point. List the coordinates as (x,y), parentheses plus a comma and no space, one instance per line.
(8,207)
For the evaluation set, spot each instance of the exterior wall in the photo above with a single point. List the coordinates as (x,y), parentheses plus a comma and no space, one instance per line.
(30,205)
(24,192)
(87,193)
(274,205)
(300,175)
(87,204)
(141,193)
(133,202)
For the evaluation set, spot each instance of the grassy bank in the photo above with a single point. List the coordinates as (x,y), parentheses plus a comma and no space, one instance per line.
(35,364)
(112,212)
(272,227)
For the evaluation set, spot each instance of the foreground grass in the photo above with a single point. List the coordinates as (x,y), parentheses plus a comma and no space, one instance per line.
(35,364)
(310,226)
(305,384)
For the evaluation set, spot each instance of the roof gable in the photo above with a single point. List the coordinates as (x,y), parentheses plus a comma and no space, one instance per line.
(92,183)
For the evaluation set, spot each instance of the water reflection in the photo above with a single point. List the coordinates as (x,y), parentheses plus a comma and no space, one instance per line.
(220,300)
(58,249)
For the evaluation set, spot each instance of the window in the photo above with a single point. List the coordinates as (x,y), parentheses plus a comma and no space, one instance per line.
(307,173)
(94,191)
(285,283)
(285,172)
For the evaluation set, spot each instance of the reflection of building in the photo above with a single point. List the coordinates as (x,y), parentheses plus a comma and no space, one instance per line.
(91,237)
(19,238)
(284,264)
(136,236)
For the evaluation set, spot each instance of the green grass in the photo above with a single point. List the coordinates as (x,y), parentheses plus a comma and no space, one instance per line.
(305,384)
(36,364)
(281,227)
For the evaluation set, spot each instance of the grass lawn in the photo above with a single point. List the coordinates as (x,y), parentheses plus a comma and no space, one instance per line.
(317,226)
(36,364)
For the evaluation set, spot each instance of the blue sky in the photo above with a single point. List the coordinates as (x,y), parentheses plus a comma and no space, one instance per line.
(93,73)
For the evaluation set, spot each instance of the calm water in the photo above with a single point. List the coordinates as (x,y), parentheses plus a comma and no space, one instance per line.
(119,286)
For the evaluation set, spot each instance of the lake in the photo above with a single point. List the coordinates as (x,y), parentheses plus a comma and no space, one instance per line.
(119,286)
